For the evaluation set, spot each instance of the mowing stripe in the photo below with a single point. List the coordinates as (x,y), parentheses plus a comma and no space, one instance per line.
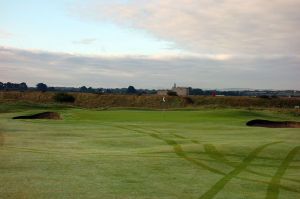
(223,181)
(273,188)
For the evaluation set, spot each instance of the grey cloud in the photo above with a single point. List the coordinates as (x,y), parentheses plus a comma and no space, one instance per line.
(62,69)
(210,27)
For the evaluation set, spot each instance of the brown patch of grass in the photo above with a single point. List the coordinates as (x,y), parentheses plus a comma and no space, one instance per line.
(89,100)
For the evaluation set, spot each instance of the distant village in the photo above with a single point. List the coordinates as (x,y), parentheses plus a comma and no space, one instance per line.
(173,91)
(180,91)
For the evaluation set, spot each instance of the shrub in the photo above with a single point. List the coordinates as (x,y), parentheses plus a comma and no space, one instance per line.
(265,96)
(172,93)
(64,97)
(188,100)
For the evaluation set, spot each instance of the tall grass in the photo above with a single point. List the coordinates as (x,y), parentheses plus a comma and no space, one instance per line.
(89,100)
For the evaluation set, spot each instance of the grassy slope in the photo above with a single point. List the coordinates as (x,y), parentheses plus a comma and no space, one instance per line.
(147,154)
(89,100)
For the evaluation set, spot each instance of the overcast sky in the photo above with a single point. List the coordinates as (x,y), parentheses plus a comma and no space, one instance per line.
(151,44)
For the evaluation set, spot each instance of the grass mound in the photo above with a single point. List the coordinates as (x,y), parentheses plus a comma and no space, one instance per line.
(44,115)
(274,124)
(89,100)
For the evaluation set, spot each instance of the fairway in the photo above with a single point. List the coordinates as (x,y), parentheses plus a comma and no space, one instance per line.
(139,154)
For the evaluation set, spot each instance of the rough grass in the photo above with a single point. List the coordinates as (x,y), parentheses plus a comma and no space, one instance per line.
(89,100)
(147,154)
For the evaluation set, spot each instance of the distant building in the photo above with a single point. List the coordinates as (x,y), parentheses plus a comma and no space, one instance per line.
(162,92)
(180,91)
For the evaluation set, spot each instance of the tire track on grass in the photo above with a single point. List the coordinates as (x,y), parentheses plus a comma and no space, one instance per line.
(215,154)
(177,150)
(218,156)
(176,135)
(212,152)
(273,188)
(200,164)
(216,188)
(235,165)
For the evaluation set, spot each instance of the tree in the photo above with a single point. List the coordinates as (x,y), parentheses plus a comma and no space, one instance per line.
(90,90)
(1,86)
(51,88)
(196,91)
(83,89)
(41,87)
(8,86)
(23,86)
(109,91)
(131,90)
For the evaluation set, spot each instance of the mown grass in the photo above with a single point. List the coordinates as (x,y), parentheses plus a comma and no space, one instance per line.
(147,154)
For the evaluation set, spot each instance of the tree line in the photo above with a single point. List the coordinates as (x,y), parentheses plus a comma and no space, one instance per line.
(44,87)
(21,86)
(129,90)
(132,90)
(13,86)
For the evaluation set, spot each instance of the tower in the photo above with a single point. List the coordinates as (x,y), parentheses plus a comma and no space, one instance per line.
(174,86)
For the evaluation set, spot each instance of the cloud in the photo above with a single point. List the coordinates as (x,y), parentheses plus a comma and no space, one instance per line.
(5,34)
(87,41)
(230,27)
(63,69)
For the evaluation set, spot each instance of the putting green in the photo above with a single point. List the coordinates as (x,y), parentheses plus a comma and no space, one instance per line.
(147,154)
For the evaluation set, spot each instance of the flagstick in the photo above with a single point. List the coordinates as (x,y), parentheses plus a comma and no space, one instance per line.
(164,108)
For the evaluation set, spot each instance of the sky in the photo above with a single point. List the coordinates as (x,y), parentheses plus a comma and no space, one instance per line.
(151,44)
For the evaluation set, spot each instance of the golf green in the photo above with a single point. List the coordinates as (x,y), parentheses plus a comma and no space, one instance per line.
(127,154)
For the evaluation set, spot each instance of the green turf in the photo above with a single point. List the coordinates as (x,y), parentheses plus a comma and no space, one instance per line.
(126,154)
